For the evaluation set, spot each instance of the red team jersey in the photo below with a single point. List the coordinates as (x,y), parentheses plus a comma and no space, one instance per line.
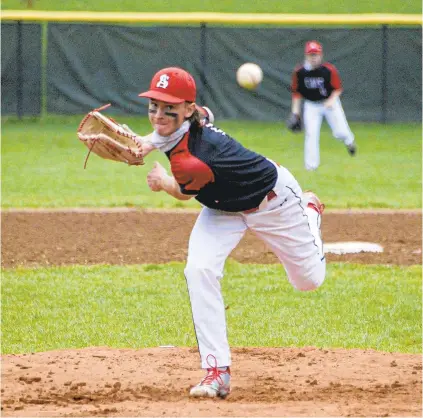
(315,85)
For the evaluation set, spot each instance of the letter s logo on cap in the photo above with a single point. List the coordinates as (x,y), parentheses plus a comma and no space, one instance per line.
(163,82)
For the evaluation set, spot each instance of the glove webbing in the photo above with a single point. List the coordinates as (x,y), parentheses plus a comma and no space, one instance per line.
(83,121)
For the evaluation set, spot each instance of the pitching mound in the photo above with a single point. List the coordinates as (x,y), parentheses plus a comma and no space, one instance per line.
(266,382)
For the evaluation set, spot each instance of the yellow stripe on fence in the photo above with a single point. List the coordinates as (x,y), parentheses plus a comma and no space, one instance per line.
(200,17)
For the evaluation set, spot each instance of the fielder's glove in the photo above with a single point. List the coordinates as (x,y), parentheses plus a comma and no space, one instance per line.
(110,140)
(294,123)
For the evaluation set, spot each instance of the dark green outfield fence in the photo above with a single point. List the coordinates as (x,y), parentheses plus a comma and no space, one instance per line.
(87,65)
(21,69)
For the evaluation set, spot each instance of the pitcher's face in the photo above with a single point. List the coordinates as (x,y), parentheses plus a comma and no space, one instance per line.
(166,118)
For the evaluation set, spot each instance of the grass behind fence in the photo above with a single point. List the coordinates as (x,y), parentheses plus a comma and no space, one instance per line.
(42,166)
(358,306)
(235,6)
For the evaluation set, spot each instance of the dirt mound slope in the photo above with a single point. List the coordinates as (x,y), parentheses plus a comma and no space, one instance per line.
(265,382)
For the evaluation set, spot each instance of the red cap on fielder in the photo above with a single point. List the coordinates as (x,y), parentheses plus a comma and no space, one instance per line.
(313,47)
(172,85)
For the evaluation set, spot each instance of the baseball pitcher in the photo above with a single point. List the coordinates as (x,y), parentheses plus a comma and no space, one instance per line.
(238,189)
(320,86)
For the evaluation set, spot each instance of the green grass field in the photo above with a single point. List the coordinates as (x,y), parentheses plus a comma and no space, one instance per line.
(42,166)
(375,307)
(235,6)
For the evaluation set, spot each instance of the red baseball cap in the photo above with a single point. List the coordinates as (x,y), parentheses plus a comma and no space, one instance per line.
(172,85)
(313,47)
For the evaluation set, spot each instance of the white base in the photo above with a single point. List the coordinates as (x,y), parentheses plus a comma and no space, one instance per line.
(352,247)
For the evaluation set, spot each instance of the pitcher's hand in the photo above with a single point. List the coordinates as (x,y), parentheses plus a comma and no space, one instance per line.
(155,177)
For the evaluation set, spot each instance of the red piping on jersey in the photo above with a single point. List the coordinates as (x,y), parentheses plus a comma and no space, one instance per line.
(335,79)
(189,171)
(294,83)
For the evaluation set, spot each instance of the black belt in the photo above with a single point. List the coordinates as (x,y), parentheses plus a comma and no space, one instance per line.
(270,196)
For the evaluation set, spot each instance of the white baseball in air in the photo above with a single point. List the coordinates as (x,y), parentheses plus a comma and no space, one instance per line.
(249,75)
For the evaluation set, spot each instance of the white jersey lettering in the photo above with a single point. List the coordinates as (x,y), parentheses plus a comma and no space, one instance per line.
(316,83)
(214,129)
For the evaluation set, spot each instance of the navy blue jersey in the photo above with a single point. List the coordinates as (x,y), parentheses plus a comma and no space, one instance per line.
(221,172)
(315,85)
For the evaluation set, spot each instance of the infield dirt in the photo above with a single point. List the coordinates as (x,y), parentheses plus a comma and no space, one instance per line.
(59,238)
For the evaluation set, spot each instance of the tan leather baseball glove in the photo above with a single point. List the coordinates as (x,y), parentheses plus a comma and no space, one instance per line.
(109,140)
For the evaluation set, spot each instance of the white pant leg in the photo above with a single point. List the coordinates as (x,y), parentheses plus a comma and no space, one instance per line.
(212,239)
(292,231)
(313,116)
(338,123)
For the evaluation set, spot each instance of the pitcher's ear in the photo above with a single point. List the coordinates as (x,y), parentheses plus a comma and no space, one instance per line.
(189,109)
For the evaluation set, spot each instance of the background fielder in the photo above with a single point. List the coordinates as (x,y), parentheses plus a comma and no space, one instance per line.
(320,86)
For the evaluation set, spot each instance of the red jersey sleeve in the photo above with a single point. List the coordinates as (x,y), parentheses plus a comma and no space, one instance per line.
(294,83)
(191,173)
(335,79)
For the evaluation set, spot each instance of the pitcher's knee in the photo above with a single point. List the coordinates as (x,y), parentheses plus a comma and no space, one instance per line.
(197,270)
(192,270)
(308,285)
(309,280)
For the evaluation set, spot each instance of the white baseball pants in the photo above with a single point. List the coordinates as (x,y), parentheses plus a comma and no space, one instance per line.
(286,224)
(313,116)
